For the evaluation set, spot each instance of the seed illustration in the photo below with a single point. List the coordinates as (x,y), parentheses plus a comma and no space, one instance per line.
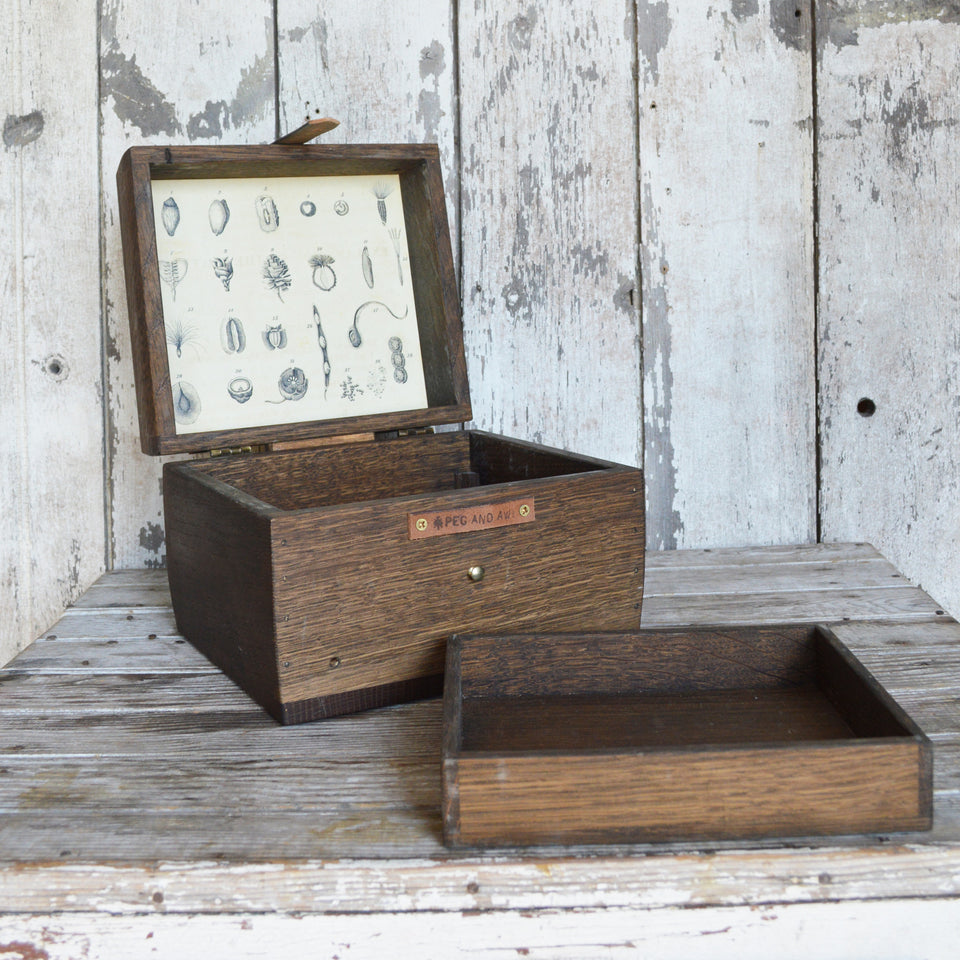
(223,270)
(241,389)
(170,216)
(276,275)
(172,272)
(366,264)
(275,338)
(186,402)
(267,215)
(219,214)
(308,208)
(323,275)
(232,337)
(341,208)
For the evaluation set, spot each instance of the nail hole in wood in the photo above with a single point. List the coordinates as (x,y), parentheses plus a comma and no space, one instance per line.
(866,407)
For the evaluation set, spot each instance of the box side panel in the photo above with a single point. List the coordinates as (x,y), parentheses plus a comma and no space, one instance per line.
(347,473)
(690,795)
(360,603)
(451,743)
(683,660)
(218,560)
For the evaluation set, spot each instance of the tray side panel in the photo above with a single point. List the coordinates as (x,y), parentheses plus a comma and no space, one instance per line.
(786,791)
(648,661)
(361,604)
(218,563)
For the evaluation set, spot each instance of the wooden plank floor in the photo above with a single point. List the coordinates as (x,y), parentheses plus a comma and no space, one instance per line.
(135,778)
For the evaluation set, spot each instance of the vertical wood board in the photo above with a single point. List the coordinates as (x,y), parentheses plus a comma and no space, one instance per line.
(726,149)
(51,454)
(549,226)
(889,118)
(175,72)
(385,70)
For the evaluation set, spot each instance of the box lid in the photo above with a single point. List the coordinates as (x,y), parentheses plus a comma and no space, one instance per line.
(289,292)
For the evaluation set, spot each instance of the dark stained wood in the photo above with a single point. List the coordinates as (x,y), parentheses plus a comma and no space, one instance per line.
(656,720)
(431,263)
(218,561)
(360,612)
(348,473)
(710,733)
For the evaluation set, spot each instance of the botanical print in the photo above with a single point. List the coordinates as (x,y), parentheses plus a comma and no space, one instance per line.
(270,286)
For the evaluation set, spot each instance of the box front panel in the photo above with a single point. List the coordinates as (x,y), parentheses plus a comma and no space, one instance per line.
(363,601)
(705,794)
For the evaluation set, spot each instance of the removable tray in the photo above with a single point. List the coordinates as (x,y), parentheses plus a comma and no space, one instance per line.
(703,733)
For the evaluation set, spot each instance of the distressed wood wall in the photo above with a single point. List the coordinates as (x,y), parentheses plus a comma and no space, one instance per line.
(697,236)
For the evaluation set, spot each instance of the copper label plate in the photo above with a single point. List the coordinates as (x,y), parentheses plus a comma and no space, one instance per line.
(485,516)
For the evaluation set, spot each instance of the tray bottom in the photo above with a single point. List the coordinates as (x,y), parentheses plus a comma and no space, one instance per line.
(705,718)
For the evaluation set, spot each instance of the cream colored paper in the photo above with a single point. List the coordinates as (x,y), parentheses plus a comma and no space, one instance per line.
(264,282)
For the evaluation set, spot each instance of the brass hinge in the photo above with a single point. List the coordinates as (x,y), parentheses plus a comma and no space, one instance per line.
(233,451)
(410,432)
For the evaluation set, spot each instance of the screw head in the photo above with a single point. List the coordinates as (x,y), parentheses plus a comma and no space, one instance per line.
(476,573)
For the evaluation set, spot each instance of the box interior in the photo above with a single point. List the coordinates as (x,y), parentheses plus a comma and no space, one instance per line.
(666,689)
(376,470)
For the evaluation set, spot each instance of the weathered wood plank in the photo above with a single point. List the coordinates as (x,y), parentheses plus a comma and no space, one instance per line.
(549,229)
(387,71)
(861,930)
(729,877)
(904,603)
(173,72)
(889,107)
(51,526)
(745,556)
(726,153)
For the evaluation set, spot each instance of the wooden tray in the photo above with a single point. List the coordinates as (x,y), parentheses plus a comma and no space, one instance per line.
(699,733)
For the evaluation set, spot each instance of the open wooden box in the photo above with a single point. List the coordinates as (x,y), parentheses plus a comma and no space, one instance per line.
(705,733)
(302,300)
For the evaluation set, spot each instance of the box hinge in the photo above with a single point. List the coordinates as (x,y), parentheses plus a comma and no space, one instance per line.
(232,451)
(411,432)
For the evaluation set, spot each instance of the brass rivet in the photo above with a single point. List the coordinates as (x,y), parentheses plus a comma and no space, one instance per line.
(524,510)
(421,524)
(334,661)
(476,573)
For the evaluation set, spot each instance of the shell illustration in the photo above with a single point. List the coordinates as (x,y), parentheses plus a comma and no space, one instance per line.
(170,216)
(308,208)
(366,265)
(275,338)
(276,275)
(172,272)
(219,214)
(341,208)
(186,402)
(240,388)
(223,269)
(323,275)
(370,309)
(232,337)
(267,215)
(293,384)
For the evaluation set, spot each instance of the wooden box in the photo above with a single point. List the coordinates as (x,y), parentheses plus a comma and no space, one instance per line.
(684,734)
(302,300)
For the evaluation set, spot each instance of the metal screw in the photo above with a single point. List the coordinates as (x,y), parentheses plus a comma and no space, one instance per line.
(476,573)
